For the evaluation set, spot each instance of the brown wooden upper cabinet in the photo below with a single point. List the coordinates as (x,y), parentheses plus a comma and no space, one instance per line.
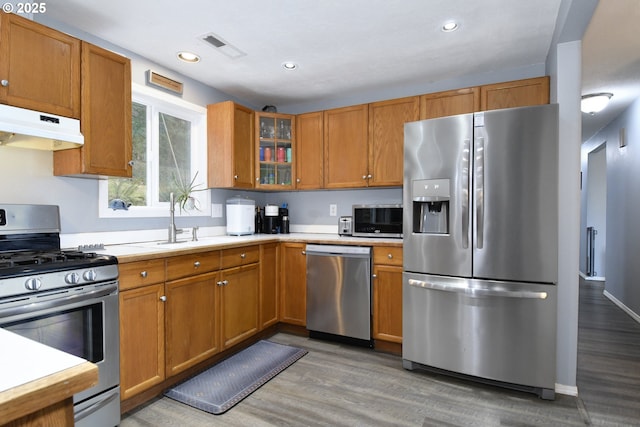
(275,151)
(386,139)
(105,119)
(345,147)
(449,103)
(517,93)
(40,67)
(230,145)
(309,153)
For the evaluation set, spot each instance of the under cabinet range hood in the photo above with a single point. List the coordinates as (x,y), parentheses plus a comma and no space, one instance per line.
(42,131)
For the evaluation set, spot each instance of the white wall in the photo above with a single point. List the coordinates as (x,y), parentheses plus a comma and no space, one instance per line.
(565,71)
(623,206)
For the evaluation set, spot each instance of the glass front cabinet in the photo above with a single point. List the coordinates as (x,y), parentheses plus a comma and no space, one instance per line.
(275,150)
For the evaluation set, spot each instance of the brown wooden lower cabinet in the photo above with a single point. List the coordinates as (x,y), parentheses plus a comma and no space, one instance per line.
(191,321)
(141,339)
(293,284)
(239,296)
(387,294)
(269,256)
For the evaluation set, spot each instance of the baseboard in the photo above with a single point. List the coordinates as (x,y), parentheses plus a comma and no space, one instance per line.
(624,308)
(566,389)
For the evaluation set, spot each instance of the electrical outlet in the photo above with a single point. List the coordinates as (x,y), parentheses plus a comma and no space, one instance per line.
(216,210)
(333,210)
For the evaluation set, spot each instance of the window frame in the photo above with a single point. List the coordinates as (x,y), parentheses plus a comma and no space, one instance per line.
(197,115)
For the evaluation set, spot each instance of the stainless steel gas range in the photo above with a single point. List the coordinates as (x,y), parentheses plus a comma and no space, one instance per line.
(64,299)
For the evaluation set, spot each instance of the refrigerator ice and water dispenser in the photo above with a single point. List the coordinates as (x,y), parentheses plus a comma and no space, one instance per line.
(431,206)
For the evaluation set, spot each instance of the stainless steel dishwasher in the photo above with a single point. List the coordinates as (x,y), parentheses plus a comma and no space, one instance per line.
(339,292)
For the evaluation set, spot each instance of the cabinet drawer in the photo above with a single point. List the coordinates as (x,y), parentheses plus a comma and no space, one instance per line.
(388,255)
(240,256)
(141,273)
(188,265)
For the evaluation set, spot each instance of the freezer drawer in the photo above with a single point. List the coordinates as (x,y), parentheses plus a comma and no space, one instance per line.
(501,331)
(339,290)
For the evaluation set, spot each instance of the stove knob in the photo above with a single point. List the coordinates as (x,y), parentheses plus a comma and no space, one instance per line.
(72,278)
(33,284)
(89,275)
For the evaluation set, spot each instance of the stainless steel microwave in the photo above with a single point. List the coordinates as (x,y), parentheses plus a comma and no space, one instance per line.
(377,221)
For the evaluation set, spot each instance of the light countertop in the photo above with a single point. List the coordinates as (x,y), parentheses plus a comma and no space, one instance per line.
(146,250)
(23,360)
(34,376)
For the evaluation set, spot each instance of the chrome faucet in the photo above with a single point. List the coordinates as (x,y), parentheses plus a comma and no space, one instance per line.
(173,231)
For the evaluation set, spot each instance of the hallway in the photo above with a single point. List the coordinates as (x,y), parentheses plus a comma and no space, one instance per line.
(608,376)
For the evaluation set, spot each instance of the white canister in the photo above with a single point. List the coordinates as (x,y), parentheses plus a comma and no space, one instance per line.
(240,216)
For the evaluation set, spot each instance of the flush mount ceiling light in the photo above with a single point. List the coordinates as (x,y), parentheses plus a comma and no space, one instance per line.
(189,57)
(289,65)
(595,102)
(449,26)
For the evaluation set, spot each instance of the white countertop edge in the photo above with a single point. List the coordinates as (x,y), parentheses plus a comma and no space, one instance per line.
(23,360)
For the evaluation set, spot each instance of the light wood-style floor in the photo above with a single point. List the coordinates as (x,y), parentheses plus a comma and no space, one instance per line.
(341,385)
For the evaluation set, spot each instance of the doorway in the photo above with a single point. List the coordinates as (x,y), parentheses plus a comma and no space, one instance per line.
(596,213)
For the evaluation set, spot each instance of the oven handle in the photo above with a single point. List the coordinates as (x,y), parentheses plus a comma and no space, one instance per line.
(85,412)
(44,305)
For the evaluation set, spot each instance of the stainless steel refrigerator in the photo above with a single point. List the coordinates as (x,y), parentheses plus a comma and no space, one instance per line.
(480,224)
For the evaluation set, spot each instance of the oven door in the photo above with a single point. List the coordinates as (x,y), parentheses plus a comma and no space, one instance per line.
(81,321)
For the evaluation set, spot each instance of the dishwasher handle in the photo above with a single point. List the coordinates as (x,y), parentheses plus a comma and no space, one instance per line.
(339,250)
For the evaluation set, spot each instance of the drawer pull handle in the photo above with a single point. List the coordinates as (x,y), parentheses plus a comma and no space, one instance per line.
(163,298)
(143,274)
(243,256)
(196,264)
(390,256)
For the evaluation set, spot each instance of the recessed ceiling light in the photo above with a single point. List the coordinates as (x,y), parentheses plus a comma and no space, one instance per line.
(189,57)
(450,26)
(289,65)
(595,102)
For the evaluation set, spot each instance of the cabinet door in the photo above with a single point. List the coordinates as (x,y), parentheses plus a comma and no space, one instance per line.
(387,303)
(386,139)
(293,284)
(275,151)
(105,118)
(268,285)
(519,93)
(41,67)
(309,151)
(230,145)
(141,339)
(345,147)
(191,321)
(239,296)
(449,103)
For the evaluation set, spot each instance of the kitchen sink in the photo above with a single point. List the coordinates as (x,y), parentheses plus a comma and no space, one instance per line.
(184,244)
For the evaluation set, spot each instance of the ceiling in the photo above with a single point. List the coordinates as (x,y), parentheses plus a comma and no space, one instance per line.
(349,47)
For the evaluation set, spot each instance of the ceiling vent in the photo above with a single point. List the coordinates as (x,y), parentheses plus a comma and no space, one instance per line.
(220,45)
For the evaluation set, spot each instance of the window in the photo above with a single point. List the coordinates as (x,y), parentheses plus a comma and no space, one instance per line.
(169,156)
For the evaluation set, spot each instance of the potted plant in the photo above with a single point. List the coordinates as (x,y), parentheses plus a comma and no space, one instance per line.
(183,191)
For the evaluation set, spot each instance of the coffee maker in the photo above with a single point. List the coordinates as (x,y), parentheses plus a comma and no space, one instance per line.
(276,219)
(271,224)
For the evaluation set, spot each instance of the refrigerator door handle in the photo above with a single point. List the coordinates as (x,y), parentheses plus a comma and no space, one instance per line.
(477,292)
(465,192)
(479,192)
